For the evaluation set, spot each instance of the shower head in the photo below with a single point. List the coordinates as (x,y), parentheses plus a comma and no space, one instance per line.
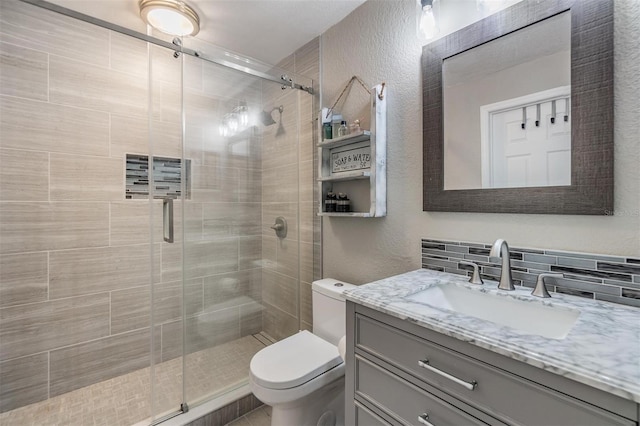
(267,119)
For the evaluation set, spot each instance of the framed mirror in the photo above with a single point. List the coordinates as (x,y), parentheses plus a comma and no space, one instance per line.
(518,112)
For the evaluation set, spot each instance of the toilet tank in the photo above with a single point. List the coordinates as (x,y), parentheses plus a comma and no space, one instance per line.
(329,309)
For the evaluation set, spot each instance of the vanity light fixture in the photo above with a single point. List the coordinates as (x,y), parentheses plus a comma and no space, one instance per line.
(428,25)
(173,17)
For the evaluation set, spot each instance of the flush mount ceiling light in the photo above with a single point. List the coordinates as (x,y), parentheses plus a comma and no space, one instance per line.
(170,16)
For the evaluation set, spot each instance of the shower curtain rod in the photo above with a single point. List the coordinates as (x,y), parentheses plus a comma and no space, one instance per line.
(283,79)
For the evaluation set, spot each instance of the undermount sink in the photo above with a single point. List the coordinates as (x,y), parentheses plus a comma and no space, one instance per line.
(531,317)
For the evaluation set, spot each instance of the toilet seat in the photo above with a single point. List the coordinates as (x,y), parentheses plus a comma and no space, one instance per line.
(293,361)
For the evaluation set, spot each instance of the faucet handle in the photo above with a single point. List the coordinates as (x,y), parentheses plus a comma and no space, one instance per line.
(475,278)
(541,289)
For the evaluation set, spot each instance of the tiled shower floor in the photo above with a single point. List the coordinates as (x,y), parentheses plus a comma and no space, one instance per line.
(125,400)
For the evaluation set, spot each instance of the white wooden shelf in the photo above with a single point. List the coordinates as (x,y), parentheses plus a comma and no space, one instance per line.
(358,174)
(362,135)
(358,157)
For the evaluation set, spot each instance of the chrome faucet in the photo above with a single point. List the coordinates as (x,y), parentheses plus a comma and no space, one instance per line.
(501,249)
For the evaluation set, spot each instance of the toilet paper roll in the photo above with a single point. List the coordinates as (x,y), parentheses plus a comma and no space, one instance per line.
(342,347)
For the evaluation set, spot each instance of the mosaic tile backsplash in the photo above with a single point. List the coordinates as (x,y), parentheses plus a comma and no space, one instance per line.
(602,277)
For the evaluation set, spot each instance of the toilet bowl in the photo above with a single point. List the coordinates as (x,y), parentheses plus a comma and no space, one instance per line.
(302,377)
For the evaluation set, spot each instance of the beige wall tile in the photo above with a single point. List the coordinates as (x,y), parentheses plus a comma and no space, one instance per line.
(280,185)
(203,258)
(86,363)
(306,262)
(24,381)
(306,181)
(33,125)
(307,214)
(78,177)
(250,185)
(23,72)
(129,222)
(270,252)
(52,226)
(278,324)
(24,175)
(88,86)
(306,303)
(250,252)
(23,278)
(130,307)
(280,291)
(308,127)
(40,327)
(212,328)
(231,219)
(130,135)
(166,101)
(232,289)
(214,184)
(91,270)
(250,318)
(128,54)
(35,28)
(172,346)
(287,257)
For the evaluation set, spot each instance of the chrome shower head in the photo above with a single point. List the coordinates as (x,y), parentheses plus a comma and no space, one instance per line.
(267,119)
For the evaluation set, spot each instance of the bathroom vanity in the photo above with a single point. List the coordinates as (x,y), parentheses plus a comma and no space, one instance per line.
(415,356)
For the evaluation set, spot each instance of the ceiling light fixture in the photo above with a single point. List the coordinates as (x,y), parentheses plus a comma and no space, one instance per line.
(170,16)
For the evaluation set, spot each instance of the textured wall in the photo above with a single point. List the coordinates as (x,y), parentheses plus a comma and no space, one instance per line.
(377,42)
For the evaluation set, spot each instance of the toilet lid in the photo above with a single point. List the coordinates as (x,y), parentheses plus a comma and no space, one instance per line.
(293,361)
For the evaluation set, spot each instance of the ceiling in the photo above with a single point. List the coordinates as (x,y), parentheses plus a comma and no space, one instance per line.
(267,30)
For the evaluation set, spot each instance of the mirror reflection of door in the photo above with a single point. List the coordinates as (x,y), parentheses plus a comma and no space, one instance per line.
(520,69)
(527,144)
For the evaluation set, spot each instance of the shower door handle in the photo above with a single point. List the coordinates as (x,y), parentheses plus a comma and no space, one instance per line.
(167,219)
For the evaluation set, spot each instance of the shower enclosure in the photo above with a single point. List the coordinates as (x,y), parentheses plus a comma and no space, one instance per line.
(139,181)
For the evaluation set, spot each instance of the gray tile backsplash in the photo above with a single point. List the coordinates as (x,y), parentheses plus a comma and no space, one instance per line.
(601,277)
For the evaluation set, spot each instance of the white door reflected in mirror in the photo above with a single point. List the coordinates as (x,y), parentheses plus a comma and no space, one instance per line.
(507,112)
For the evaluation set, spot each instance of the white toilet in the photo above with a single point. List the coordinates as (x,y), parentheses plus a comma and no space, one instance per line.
(302,377)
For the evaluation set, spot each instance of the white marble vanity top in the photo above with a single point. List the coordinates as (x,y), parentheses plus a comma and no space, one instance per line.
(601,350)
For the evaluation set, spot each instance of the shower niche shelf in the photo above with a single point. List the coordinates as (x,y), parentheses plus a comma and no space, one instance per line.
(356,164)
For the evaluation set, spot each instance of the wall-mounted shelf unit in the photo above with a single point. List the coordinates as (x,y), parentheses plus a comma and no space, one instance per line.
(356,164)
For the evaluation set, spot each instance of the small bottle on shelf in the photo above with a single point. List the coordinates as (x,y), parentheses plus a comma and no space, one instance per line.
(343,205)
(327,131)
(343,130)
(330,202)
(355,127)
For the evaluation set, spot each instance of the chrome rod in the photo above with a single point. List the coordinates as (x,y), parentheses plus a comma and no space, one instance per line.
(149,39)
(425,364)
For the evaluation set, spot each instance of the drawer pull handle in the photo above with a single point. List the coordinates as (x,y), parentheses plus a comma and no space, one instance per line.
(424,419)
(425,364)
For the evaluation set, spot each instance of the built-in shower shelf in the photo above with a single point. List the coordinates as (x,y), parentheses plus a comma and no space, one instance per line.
(356,164)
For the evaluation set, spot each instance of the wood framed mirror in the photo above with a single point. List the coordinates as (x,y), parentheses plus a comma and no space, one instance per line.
(580,105)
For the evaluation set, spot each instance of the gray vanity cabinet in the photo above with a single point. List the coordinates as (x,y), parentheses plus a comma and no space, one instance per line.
(401,373)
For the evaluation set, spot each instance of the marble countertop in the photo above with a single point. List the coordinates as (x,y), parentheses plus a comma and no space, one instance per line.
(601,350)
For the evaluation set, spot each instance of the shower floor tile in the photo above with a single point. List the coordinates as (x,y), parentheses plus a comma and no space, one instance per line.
(125,400)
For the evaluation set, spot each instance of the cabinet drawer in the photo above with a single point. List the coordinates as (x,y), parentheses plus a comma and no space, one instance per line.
(364,417)
(497,392)
(404,401)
